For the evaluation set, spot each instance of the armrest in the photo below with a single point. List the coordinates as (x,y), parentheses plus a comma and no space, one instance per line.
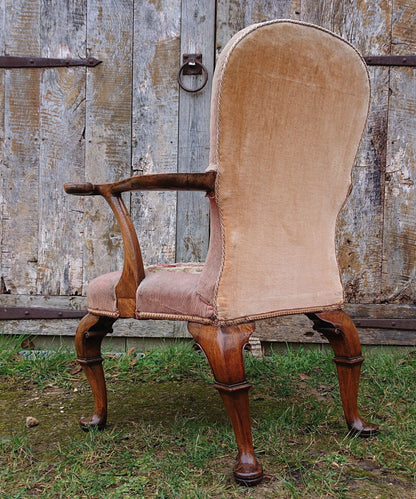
(151,182)
(133,269)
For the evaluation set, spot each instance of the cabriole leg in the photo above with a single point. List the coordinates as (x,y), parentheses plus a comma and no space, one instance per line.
(90,332)
(340,331)
(223,348)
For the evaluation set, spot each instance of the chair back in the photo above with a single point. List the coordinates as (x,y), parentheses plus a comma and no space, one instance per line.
(289,106)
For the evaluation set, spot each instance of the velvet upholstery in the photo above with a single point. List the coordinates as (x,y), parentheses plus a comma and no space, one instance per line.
(289,106)
(101,295)
(172,290)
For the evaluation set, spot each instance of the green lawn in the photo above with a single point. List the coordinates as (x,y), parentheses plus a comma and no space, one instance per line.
(168,435)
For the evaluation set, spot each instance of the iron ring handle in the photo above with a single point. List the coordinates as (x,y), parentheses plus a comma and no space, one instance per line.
(204,72)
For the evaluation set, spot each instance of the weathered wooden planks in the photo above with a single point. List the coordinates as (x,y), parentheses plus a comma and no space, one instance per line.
(108,126)
(21,150)
(360,225)
(291,329)
(399,237)
(2,169)
(155,122)
(128,116)
(233,15)
(61,155)
(197,37)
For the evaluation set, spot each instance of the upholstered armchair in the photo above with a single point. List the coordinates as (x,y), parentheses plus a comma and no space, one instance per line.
(289,106)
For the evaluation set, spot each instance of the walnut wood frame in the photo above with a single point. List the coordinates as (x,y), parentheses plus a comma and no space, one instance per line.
(223,346)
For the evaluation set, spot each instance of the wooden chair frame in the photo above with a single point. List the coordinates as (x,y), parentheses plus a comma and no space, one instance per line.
(223,346)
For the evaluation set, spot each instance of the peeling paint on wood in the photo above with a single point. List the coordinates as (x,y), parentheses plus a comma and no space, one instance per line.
(2,134)
(360,225)
(155,122)
(62,121)
(128,116)
(21,150)
(233,15)
(399,238)
(197,37)
(108,126)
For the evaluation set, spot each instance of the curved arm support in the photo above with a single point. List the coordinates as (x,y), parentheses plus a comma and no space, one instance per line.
(133,269)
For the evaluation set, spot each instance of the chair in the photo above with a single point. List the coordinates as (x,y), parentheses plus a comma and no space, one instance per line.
(289,106)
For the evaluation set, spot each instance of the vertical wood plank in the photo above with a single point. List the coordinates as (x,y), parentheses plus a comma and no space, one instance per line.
(21,150)
(2,49)
(197,37)
(234,15)
(155,122)
(399,262)
(360,225)
(108,126)
(62,122)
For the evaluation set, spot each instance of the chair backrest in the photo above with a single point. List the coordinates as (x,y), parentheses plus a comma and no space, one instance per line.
(289,105)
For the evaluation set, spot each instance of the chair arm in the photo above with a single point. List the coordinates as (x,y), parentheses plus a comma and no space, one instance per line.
(133,268)
(151,182)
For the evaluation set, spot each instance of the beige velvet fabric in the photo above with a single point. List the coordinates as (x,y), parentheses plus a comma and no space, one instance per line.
(101,295)
(171,290)
(289,105)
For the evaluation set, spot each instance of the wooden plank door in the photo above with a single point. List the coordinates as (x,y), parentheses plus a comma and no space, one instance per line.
(128,116)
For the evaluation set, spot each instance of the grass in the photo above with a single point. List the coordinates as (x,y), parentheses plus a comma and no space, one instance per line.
(168,435)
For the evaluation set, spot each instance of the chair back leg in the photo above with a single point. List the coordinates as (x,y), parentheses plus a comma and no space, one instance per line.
(342,334)
(223,348)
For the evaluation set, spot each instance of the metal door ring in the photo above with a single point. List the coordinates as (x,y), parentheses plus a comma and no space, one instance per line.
(192,64)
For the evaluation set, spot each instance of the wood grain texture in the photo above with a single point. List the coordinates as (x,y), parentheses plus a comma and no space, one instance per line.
(155,122)
(340,331)
(21,150)
(360,225)
(134,94)
(292,329)
(147,182)
(399,237)
(2,130)
(197,37)
(223,348)
(233,15)
(62,122)
(108,127)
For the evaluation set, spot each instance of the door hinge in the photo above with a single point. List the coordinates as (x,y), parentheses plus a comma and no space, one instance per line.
(30,313)
(403,324)
(11,61)
(390,60)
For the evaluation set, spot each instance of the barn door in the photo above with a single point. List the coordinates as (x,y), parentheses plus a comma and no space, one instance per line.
(129,116)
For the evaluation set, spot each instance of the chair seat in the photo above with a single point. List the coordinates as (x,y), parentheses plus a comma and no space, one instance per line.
(167,291)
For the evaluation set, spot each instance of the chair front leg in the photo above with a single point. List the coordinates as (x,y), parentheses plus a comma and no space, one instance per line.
(223,348)
(340,331)
(90,332)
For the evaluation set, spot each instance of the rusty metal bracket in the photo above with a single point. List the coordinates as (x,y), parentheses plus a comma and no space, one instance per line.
(11,61)
(30,313)
(391,60)
(403,324)
(192,65)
